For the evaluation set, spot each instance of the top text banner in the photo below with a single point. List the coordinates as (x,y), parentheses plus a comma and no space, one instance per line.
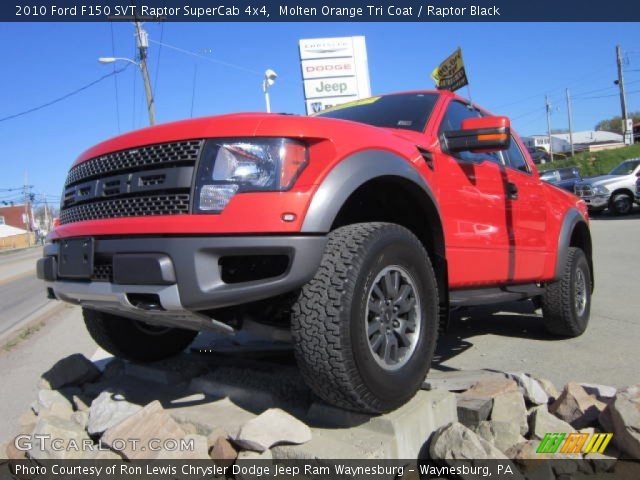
(319,11)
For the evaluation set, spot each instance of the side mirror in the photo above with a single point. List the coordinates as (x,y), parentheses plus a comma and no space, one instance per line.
(484,134)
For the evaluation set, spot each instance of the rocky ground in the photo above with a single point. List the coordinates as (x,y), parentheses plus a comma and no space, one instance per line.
(238,411)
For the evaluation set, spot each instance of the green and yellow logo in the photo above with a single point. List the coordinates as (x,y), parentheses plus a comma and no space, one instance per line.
(575,442)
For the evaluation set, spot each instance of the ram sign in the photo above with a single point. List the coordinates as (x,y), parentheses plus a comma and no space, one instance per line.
(334,71)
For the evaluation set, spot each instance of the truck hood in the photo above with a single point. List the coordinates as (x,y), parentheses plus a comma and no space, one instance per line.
(236,125)
(601,180)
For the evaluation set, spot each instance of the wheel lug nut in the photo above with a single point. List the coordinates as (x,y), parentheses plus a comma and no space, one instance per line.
(396,324)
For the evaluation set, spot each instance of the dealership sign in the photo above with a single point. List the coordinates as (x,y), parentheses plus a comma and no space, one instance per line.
(334,71)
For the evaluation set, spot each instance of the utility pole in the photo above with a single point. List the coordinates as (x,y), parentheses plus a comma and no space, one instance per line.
(27,198)
(570,122)
(46,213)
(623,98)
(142,41)
(548,107)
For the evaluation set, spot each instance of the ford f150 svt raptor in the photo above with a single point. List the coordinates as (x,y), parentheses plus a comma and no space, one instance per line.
(354,232)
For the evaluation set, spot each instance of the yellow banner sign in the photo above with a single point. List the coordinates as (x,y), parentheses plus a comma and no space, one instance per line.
(450,74)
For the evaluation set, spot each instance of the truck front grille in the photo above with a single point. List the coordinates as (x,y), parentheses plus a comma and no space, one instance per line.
(145,181)
(127,207)
(583,190)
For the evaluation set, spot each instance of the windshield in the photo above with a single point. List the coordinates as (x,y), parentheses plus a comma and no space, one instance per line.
(625,168)
(409,111)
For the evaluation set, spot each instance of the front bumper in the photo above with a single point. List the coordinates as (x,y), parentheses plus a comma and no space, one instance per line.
(596,202)
(174,279)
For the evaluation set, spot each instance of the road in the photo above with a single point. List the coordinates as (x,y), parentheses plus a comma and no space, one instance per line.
(480,338)
(21,293)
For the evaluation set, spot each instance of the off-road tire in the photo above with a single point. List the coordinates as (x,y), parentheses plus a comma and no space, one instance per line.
(621,204)
(559,311)
(329,322)
(124,338)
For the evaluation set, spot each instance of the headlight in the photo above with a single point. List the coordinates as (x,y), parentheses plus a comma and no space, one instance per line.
(233,166)
(600,190)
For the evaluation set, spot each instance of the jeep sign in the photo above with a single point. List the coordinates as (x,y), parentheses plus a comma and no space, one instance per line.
(331,87)
(335,70)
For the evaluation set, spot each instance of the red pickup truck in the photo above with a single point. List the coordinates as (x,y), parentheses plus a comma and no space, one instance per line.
(354,233)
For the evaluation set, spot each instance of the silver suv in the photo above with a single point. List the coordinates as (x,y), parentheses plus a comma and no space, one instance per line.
(614,190)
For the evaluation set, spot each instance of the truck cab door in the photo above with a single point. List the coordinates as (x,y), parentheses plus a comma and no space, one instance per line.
(473,209)
(526,207)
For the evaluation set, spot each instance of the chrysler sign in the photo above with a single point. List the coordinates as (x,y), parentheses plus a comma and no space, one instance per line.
(334,71)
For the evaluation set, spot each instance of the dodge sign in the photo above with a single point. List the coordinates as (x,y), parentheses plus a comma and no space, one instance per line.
(334,71)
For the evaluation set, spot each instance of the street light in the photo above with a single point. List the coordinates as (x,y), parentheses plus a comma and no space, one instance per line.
(106,60)
(269,79)
(142,44)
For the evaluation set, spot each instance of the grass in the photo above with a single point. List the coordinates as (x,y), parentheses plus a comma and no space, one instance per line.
(24,334)
(595,163)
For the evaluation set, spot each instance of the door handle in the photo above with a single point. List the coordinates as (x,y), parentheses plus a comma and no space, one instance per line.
(512,191)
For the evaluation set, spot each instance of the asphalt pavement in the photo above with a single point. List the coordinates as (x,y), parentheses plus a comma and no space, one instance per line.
(21,293)
(513,340)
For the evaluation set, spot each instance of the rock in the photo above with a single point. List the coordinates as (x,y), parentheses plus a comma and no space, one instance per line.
(209,414)
(576,406)
(81,418)
(27,418)
(150,422)
(215,434)
(601,462)
(457,381)
(542,422)
(272,427)
(64,431)
(223,453)
(12,452)
(502,435)
(524,455)
(531,388)
(492,387)
(510,407)
(75,369)
(622,418)
(107,410)
(604,393)
(457,442)
(197,449)
(549,388)
(53,401)
(82,402)
(472,411)
(627,470)
(114,368)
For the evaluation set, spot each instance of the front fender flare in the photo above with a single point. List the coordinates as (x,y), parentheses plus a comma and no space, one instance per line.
(347,176)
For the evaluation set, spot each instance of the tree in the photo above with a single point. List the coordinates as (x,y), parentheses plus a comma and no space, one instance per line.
(615,124)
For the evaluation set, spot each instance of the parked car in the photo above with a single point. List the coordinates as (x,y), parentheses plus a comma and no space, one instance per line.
(538,155)
(564,178)
(638,190)
(354,232)
(614,191)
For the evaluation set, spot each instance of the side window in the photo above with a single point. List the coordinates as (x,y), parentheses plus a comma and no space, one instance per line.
(514,158)
(456,113)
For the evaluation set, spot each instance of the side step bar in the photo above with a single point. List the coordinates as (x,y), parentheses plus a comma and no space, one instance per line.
(491,295)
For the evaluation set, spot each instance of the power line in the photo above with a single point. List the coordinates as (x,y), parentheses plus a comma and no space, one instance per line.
(115,79)
(155,79)
(209,59)
(64,97)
